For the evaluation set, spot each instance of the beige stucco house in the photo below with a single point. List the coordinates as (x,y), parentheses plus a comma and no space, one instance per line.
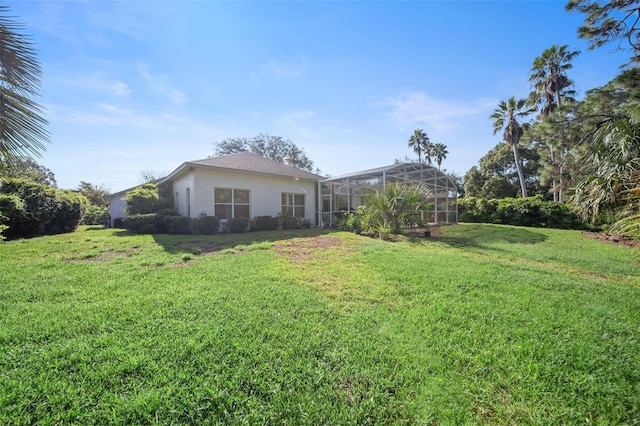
(238,185)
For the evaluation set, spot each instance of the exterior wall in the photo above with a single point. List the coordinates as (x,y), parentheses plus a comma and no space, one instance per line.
(180,186)
(265,191)
(117,207)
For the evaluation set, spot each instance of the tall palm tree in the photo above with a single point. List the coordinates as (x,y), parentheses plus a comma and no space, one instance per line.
(22,127)
(551,86)
(419,142)
(549,78)
(506,117)
(439,153)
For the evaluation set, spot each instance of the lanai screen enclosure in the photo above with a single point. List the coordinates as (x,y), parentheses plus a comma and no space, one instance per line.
(342,194)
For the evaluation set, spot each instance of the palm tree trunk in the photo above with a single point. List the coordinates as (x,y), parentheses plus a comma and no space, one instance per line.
(553,174)
(516,157)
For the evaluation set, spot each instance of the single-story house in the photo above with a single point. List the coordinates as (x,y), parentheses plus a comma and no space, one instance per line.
(248,185)
(237,185)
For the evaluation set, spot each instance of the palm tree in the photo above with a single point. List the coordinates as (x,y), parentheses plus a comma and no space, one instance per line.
(439,153)
(550,87)
(549,78)
(22,127)
(419,141)
(505,118)
(612,172)
(396,205)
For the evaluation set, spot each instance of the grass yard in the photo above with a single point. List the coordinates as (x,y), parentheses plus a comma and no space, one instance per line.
(485,324)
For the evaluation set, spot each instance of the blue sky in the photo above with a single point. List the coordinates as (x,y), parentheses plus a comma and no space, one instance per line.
(146,85)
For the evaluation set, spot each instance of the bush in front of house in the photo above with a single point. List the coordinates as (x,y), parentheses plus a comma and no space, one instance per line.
(205,225)
(141,223)
(176,224)
(264,223)
(143,199)
(237,224)
(289,222)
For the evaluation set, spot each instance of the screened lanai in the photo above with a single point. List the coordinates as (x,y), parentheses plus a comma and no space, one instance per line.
(341,194)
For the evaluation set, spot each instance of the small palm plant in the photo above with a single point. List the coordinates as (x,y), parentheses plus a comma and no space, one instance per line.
(396,206)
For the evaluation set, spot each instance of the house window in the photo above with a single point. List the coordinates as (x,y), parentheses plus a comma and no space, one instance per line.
(230,203)
(293,204)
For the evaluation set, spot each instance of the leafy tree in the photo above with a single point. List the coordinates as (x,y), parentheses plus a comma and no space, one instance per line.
(473,181)
(97,195)
(505,118)
(27,168)
(273,147)
(98,211)
(609,21)
(497,176)
(22,127)
(457,179)
(439,153)
(420,143)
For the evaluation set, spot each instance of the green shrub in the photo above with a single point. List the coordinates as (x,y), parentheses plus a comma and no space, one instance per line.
(69,208)
(95,215)
(176,224)
(237,224)
(264,223)
(9,204)
(289,222)
(143,199)
(205,225)
(530,211)
(141,223)
(45,210)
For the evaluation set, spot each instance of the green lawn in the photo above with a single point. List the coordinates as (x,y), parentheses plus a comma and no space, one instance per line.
(486,324)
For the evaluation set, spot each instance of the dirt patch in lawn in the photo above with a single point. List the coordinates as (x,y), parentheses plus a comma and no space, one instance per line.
(612,239)
(301,249)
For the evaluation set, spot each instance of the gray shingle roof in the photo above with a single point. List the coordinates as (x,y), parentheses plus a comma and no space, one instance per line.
(252,163)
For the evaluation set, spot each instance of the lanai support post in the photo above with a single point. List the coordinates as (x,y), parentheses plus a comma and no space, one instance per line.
(319,222)
(348,197)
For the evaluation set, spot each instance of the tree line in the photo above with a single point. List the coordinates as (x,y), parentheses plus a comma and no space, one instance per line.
(585,153)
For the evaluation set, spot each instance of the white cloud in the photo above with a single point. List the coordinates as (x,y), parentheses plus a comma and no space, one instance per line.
(98,82)
(160,84)
(417,109)
(286,70)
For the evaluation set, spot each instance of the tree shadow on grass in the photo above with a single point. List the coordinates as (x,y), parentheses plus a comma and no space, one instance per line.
(199,244)
(485,235)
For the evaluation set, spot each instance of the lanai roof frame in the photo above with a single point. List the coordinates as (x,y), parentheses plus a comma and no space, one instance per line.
(351,184)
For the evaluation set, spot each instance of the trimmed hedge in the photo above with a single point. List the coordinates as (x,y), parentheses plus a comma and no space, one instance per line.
(205,225)
(141,223)
(290,222)
(264,223)
(237,225)
(168,221)
(530,211)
